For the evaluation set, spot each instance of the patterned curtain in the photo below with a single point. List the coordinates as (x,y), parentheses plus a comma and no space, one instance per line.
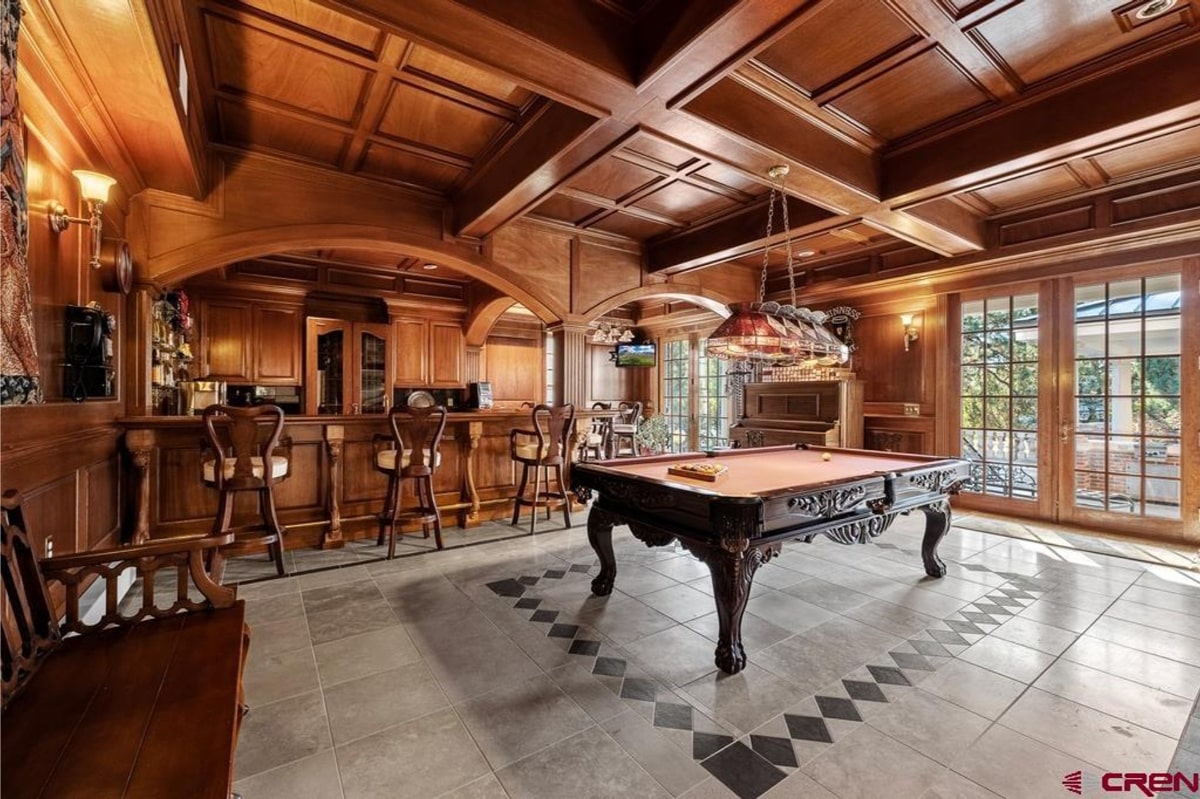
(19,374)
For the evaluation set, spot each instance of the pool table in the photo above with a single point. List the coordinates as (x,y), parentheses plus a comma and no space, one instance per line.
(764,497)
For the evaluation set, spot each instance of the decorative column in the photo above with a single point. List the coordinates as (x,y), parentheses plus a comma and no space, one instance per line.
(140,444)
(335,436)
(473,363)
(570,368)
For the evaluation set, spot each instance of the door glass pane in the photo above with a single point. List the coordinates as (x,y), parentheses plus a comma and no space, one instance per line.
(330,369)
(372,372)
(676,402)
(1127,388)
(999,396)
(713,398)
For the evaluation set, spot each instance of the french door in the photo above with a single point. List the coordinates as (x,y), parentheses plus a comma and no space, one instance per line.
(1075,395)
(695,395)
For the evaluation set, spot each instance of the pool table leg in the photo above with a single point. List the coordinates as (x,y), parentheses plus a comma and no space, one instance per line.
(600,525)
(937,524)
(732,566)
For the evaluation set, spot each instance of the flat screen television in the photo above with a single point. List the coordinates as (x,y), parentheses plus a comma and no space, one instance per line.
(636,355)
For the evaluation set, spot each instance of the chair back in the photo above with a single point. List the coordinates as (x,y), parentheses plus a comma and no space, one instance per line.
(424,434)
(553,425)
(631,412)
(249,433)
(28,631)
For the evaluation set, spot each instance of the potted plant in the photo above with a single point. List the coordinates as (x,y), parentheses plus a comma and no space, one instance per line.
(654,434)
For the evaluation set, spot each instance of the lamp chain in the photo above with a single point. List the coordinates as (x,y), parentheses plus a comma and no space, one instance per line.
(762,285)
(787,234)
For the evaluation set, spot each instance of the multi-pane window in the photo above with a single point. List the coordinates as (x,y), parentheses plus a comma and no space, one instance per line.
(999,395)
(713,401)
(1127,396)
(676,371)
(551,352)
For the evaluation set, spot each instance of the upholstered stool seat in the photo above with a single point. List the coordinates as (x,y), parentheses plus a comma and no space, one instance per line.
(279,468)
(386,459)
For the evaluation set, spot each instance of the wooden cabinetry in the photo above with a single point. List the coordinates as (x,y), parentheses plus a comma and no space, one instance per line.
(428,354)
(242,341)
(348,367)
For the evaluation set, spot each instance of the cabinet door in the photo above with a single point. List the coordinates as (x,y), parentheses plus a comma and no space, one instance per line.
(327,375)
(410,339)
(278,336)
(445,354)
(226,329)
(373,387)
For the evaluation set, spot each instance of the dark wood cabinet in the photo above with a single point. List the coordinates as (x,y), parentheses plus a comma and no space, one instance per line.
(225,329)
(445,355)
(348,367)
(277,355)
(410,340)
(428,354)
(243,341)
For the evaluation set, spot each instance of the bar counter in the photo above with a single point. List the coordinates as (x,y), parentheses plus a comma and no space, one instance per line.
(334,490)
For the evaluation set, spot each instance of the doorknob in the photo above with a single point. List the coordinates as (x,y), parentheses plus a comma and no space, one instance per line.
(1064,432)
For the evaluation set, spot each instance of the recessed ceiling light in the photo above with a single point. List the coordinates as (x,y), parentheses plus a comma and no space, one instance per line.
(429,267)
(1154,8)
(806,254)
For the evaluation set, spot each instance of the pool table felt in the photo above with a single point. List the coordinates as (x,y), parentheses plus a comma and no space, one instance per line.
(762,472)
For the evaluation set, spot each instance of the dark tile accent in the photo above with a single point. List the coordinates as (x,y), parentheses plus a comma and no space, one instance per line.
(888,675)
(835,707)
(510,588)
(544,615)
(638,688)
(929,648)
(527,580)
(911,660)
(1000,599)
(776,750)
(1016,593)
(706,744)
(885,545)
(676,717)
(963,627)
(743,772)
(808,728)
(978,618)
(583,647)
(527,603)
(609,667)
(1009,575)
(994,610)
(1188,762)
(563,630)
(579,568)
(947,637)
(867,691)
(554,574)
(975,567)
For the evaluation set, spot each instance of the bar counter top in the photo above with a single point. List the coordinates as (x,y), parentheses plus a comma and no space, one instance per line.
(358,418)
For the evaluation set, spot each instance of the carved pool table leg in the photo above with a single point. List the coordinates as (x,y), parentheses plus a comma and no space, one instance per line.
(937,524)
(600,525)
(732,565)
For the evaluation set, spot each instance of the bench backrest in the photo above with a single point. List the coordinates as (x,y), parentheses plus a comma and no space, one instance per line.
(29,629)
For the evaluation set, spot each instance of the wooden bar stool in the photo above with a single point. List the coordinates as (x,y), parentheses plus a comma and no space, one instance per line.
(597,443)
(415,459)
(542,448)
(245,459)
(627,428)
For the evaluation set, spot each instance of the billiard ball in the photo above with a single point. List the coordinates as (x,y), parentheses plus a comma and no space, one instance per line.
(826,456)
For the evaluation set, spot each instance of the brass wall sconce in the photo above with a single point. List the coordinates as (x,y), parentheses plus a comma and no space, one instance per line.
(94,188)
(911,333)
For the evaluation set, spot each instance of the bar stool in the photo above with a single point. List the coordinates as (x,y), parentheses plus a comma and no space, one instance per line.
(627,428)
(598,441)
(417,460)
(245,459)
(543,448)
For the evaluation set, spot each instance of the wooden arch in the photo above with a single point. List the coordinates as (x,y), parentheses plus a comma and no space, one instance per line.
(715,301)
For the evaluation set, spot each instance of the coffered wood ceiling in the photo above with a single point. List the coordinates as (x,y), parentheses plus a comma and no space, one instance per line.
(908,124)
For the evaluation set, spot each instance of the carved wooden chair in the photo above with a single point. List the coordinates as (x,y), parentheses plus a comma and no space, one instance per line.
(414,454)
(542,448)
(597,442)
(627,428)
(243,444)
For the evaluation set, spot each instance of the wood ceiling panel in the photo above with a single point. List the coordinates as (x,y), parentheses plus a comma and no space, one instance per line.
(1177,148)
(258,128)
(1035,187)
(732,179)
(318,20)
(838,40)
(392,164)
(632,226)
(359,256)
(456,73)
(613,178)
(1038,40)
(912,95)
(256,63)
(416,115)
(659,150)
(566,209)
(682,201)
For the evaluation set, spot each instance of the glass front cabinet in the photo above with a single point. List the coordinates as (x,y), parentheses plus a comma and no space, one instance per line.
(347,367)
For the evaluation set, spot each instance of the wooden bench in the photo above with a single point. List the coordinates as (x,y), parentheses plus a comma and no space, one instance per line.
(140,705)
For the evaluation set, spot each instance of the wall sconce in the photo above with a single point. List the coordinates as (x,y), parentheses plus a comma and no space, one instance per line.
(911,334)
(94,188)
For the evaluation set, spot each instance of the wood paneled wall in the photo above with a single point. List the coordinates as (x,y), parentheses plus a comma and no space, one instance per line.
(607,383)
(516,368)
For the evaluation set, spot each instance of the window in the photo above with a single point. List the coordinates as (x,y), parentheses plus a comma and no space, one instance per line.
(999,389)
(677,405)
(551,352)
(712,401)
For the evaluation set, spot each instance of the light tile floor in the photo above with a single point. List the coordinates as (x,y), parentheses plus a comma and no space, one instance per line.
(491,671)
